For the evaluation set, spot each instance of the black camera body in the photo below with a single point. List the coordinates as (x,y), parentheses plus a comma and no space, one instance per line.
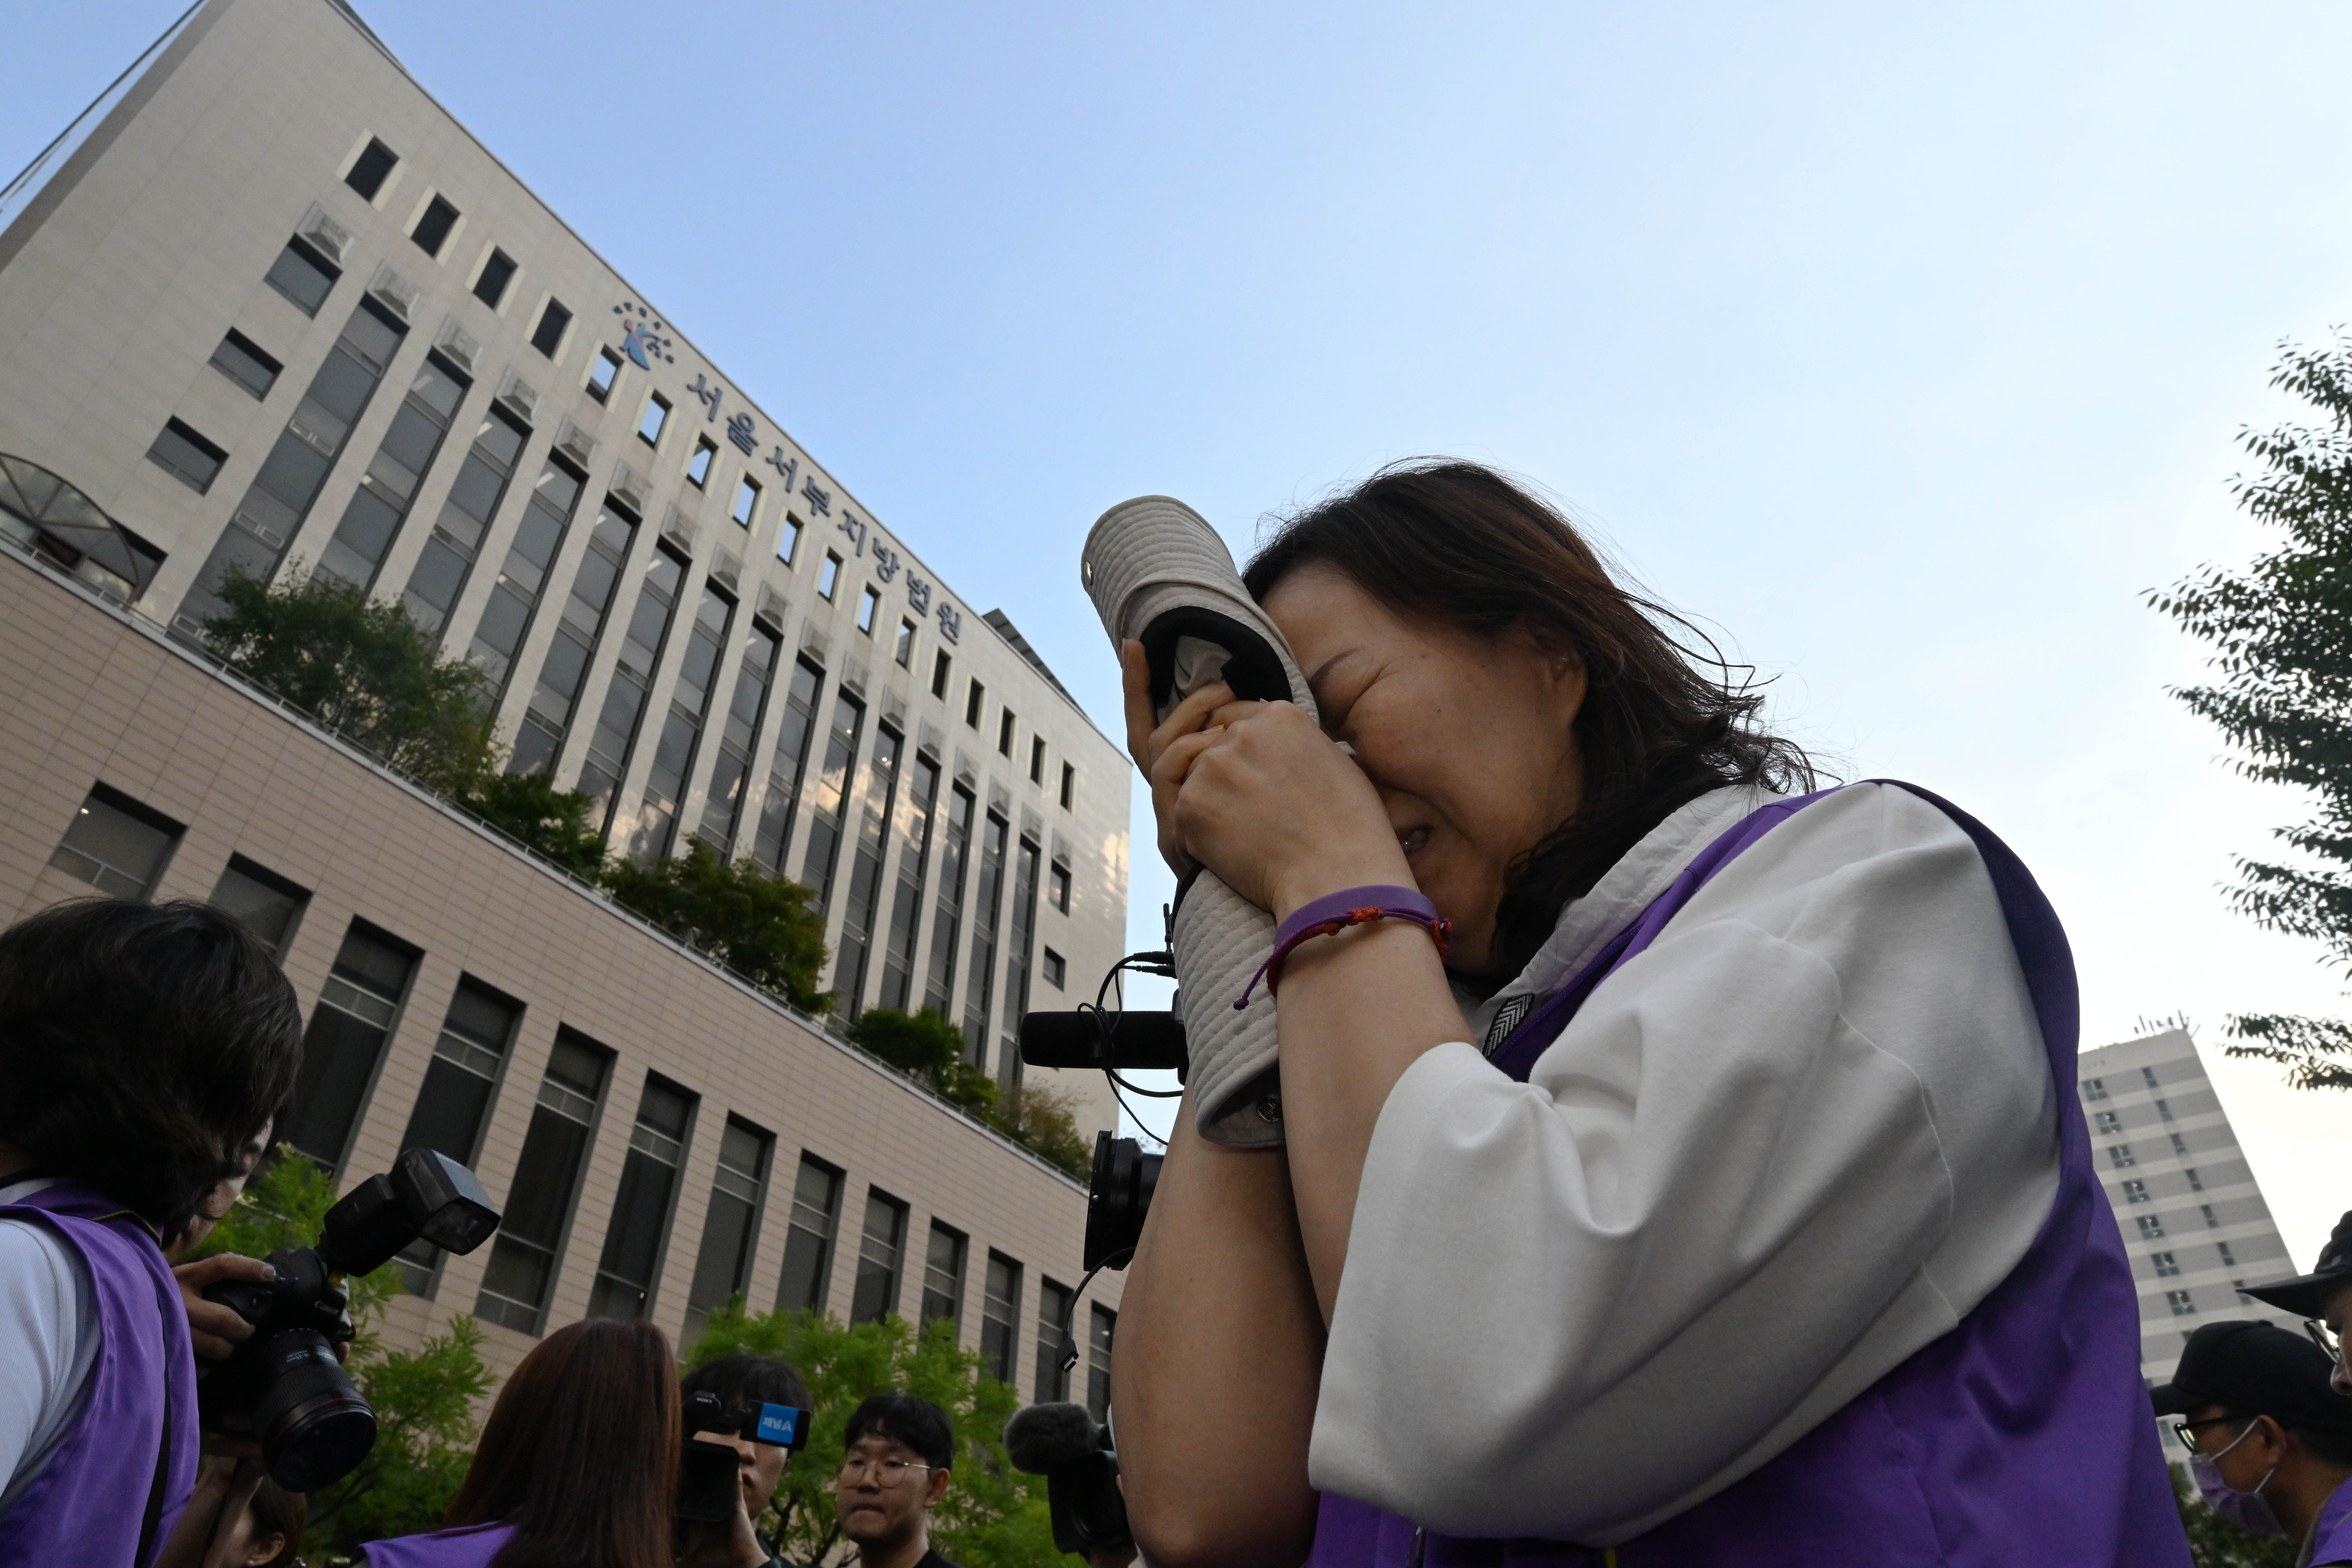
(1065,1444)
(707,1471)
(285,1387)
(1117,1198)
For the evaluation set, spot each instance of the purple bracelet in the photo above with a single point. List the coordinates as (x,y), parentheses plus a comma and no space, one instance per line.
(1335,913)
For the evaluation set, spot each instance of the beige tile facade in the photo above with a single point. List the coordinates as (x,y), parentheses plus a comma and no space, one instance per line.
(125,262)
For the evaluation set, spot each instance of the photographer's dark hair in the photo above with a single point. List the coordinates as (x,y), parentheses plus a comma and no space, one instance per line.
(904,1418)
(742,1381)
(580,1453)
(1460,544)
(140,1045)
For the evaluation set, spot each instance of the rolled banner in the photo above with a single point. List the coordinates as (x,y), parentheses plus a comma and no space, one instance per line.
(1156,571)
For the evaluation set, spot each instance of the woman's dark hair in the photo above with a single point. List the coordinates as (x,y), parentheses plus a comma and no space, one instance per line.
(580,1452)
(277,1511)
(904,1418)
(1460,544)
(742,1381)
(140,1045)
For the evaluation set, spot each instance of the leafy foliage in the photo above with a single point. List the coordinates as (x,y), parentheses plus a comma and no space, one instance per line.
(2215,1542)
(926,1046)
(2281,633)
(1047,1121)
(763,928)
(553,823)
(423,1399)
(993,1514)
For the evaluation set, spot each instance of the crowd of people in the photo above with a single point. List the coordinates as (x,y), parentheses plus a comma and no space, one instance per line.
(1689,1175)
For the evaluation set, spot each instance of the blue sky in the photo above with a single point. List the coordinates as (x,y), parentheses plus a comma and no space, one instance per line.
(1907,349)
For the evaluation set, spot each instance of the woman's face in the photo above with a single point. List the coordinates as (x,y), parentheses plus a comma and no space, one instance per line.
(1469,742)
(223,1197)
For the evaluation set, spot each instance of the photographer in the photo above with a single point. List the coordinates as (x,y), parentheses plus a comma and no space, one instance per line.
(897,1453)
(740,1383)
(141,1049)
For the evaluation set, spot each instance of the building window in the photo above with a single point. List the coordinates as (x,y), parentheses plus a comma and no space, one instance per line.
(643,637)
(475,496)
(2180,1303)
(2135,1191)
(822,855)
(1036,759)
(2212,1222)
(1053,1384)
(1057,888)
(261,901)
(378,508)
(369,168)
(547,719)
(2166,1267)
(531,553)
(2148,1075)
(747,502)
(941,666)
(2228,1261)
(1000,1317)
(722,1267)
(1005,726)
(186,456)
(244,361)
(782,796)
(943,1275)
(1056,969)
(828,575)
(2196,1183)
(2108,1121)
(907,912)
(2151,1227)
(903,655)
(553,322)
(1102,1324)
(303,276)
(2180,1146)
(454,1105)
(2120,1156)
(1070,784)
(866,888)
(988,903)
(808,1243)
(635,1240)
(788,538)
(869,602)
(546,1186)
(722,808)
(490,287)
(947,925)
(357,1007)
(972,704)
(2094,1089)
(431,230)
(2163,1111)
(697,467)
(879,1249)
(650,428)
(116,844)
(603,373)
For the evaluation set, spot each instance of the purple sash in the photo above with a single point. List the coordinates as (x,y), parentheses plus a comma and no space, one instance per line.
(467,1546)
(114,1487)
(2021,1435)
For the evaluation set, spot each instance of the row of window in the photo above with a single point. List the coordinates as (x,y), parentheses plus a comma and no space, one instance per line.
(431,234)
(120,846)
(2168,1264)
(2094,1089)
(2121,1157)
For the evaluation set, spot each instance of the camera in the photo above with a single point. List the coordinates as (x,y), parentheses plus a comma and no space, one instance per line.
(1065,1445)
(1117,1198)
(707,1471)
(284,1386)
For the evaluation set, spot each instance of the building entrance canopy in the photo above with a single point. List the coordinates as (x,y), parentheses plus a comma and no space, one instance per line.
(48,514)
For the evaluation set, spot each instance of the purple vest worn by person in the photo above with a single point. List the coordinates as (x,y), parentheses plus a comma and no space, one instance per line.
(114,1487)
(467,1546)
(2331,1532)
(2022,1435)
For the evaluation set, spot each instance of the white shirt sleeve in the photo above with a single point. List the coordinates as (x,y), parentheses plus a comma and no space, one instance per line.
(1786,1147)
(48,1344)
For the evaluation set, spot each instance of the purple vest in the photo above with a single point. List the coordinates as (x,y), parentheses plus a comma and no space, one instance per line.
(2021,1435)
(2331,1532)
(467,1546)
(112,1491)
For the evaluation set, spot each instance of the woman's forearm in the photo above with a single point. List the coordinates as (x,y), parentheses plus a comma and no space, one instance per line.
(1214,1376)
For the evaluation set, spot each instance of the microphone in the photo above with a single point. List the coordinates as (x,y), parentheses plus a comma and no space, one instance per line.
(1139,1041)
(1045,1436)
(1065,1444)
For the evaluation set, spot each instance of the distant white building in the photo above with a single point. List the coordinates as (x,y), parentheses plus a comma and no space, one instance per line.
(2192,1216)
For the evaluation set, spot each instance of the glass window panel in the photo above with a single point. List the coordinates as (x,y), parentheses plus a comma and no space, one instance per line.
(546,1186)
(880,1249)
(116,845)
(348,1027)
(807,1276)
(268,904)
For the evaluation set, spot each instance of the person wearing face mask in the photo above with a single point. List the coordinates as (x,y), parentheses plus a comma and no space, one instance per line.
(2323,1300)
(1681,1170)
(2270,1444)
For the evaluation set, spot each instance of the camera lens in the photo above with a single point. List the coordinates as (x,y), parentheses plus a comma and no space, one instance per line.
(1118,1199)
(314,1427)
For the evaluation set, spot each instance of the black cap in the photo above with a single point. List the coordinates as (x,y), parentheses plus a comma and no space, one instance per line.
(2257,1369)
(2306,1295)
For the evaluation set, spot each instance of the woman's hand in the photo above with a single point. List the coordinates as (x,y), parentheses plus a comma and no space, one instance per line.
(1259,795)
(214,1330)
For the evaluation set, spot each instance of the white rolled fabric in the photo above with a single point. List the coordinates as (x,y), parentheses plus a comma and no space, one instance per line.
(1791,1144)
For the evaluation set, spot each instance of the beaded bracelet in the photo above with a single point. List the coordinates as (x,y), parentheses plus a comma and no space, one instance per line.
(1335,913)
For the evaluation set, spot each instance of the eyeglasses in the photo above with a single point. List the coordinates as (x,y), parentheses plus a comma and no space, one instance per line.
(2187,1430)
(2325,1338)
(885,1472)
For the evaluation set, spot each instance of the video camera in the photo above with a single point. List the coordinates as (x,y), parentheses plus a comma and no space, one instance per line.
(707,1472)
(284,1385)
(1065,1445)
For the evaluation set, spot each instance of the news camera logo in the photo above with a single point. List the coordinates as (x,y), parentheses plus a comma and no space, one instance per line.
(643,337)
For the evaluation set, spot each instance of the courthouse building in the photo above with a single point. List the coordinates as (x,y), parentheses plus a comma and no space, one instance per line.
(267,308)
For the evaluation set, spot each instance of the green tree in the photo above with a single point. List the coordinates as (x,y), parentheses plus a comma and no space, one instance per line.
(2281,631)
(423,1399)
(763,928)
(1045,1120)
(2215,1542)
(994,1516)
(553,823)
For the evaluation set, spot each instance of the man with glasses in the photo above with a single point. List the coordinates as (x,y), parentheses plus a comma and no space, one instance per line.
(2322,1299)
(898,1452)
(2270,1444)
